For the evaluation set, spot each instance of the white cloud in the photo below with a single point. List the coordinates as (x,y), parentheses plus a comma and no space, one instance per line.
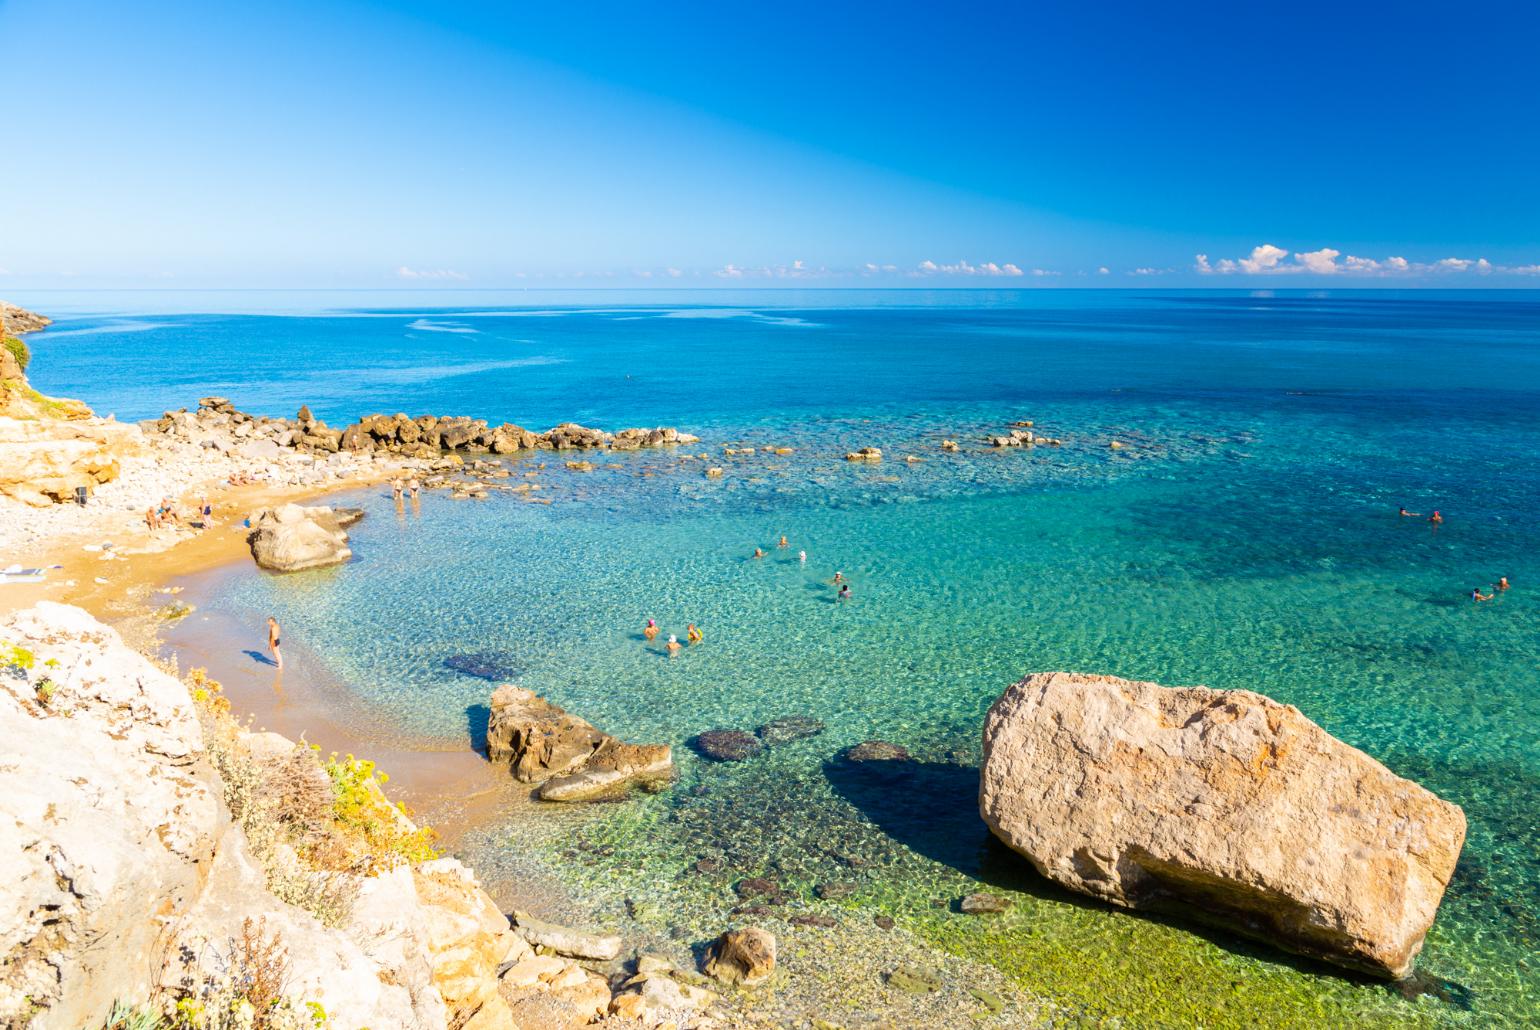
(1263,259)
(434,273)
(987,268)
(1527,270)
(1104,270)
(1454,264)
(1148,271)
(729,272)
(1397,264)
(674,273)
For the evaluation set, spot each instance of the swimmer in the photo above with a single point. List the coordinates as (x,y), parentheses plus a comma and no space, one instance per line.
(839,577)
(1477,596)
(1502,583)
(1435,518)
(782,542)
(1409,514)
(650,631)
(844,594)
(802,557)
(673,645)
(759,552)
(693,635)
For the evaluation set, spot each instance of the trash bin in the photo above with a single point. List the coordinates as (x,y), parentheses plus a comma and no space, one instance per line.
(80,496)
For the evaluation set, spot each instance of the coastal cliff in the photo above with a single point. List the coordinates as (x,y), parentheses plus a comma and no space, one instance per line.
(159,858)
(17,397)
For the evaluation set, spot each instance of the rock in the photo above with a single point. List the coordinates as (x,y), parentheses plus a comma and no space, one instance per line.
(1116,445)
(834,890)
(876,751)
(1224,806)
(949,445)
(657,999)
(564,941)
(15,321)
(883,922)
(788,728)
(304,414)
(865,454)
(566,755)
(727,745)
(290,538)
(537,738)
(745,956)
(984,904)
(913,980)
(612,771)
(754,886)
(813,919)
(486,665)
(714,472)
(43,461)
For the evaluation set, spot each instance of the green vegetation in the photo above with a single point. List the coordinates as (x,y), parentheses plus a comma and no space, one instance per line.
(384,828)
(19,351)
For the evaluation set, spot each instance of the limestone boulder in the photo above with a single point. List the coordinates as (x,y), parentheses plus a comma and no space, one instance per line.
(43,461)
(745,956)
(613,770)
(291,537)
(570,758)
(1223,806)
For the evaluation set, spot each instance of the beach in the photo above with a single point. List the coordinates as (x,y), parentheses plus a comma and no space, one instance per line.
(1244,534)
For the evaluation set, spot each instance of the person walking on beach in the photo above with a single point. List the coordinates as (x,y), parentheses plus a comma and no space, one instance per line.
(206,510)
(650,631)
(274,639)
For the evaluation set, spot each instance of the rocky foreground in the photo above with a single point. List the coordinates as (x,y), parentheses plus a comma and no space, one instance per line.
(155,852)
(1223,806)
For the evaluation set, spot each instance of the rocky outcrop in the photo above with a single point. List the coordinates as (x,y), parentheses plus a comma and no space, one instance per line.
(218,424)
(15,321)
(291,537)
(570,758)
(1224,806)
(44,461)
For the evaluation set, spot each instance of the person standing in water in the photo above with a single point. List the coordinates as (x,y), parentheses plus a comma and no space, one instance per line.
(693,635)
(802,557)
(274,639)
(1502,583)
(844,594)
(673,645)
(782,542)
(1435,518)
(650,631)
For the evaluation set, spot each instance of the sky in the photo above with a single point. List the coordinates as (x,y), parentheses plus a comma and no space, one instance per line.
(376,145)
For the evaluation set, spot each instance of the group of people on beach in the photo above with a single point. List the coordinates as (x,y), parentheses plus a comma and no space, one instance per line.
(165,514)
(1476,596)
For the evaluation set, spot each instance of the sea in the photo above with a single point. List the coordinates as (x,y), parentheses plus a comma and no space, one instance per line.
(1245,535)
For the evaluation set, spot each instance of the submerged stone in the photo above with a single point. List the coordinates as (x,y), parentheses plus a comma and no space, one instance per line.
(727,745)
(788,728)
(486,665)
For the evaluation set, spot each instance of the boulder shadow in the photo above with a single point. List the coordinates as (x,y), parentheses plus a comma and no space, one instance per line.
(931,808)
(476,716)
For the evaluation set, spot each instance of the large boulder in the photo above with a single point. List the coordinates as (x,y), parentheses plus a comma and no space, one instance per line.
(744,956)
(1224,806)
(43,461)
(566,755)
(290,537)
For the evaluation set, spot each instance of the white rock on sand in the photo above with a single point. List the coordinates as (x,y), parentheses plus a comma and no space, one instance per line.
(1223,805)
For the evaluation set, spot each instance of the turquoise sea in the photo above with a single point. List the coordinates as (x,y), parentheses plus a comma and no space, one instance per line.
(1246,536)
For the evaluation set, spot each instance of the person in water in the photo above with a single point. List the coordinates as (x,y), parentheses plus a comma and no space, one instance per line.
(274,639)
(693,635)
(1477,596)
(673,644)
(1502,583)
(782,542)
(650,631)
(839,577)
(802,557)
(1435,518)
(1409,514)
(759,552)
(844,594)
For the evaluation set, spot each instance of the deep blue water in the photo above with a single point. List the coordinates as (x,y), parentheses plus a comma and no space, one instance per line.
(1246,536)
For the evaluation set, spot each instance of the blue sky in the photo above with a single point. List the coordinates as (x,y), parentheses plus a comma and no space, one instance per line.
(355,144)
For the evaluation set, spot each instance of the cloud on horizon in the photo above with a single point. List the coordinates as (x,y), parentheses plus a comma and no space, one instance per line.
(438,273)
(988,268)
(1268,259)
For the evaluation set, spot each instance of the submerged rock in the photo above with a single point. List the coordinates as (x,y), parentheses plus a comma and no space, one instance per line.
(745,956)
(984,904)
(727,745)
(1225,806)
(788,728)
(876,751)
(486,665)
(612,771)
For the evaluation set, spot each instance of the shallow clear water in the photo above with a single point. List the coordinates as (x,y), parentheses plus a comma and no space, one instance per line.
(1246,537)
